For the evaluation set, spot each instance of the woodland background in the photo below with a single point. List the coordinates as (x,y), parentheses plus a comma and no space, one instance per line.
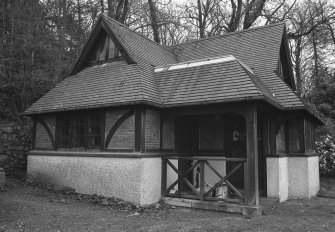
(41,39)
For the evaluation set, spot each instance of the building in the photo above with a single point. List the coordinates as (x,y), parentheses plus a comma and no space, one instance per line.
(215,121)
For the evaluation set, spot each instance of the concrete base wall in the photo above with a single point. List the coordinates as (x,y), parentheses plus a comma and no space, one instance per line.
(277,178)
(304,180)
(137,180)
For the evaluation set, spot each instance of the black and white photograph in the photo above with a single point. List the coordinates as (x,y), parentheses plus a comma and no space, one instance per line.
(167,115)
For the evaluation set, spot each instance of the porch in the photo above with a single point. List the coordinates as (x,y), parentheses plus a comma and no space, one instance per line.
(218,162)
(227,158)
(219,196)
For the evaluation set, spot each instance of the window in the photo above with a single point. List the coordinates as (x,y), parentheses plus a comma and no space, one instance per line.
(309,136)
(104,50)
(80,130)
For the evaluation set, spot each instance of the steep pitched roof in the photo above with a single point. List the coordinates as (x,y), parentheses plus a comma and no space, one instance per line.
(140,48)
(134,80)
(258,48)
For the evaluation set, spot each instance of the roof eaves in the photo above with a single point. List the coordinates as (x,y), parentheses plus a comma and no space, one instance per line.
(96,106)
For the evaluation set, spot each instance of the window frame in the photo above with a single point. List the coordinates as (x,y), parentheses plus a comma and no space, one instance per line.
(73,126)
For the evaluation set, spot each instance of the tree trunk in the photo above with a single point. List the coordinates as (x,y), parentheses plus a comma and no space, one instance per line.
(297,54)
(154,21)
(315,52)
(252,11)
(236,16)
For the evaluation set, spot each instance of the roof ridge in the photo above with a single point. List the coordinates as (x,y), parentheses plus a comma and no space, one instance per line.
(258,83)
(228,34)
(126,27)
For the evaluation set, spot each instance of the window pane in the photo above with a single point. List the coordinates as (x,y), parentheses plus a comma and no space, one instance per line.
(79,131)
(111,49)
(64,131)
(94,130)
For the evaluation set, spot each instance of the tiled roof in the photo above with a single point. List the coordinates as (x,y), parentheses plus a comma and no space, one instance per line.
(211,82)
(258,48)
(121,83)
(140,48)
(116,83)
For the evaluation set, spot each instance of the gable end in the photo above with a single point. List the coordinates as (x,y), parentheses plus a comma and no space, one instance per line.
(98,43)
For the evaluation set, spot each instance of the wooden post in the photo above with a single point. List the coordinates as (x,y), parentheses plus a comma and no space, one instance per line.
(266,138)
(202,179)
(164,177)
(251,168)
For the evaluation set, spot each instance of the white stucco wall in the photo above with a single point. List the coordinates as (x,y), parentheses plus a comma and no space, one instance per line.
(304,179)
(150,180)
(137,180)
(277,177)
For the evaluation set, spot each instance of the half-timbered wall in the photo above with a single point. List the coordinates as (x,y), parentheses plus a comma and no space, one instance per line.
(43,140)
(124,136)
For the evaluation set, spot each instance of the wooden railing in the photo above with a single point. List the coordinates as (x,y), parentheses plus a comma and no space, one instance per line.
(201,193)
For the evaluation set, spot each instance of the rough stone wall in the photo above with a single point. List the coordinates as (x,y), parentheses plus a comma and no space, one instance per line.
(152,129)
(15,142)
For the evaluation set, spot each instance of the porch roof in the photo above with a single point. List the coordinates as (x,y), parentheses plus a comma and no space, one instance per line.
(221,79)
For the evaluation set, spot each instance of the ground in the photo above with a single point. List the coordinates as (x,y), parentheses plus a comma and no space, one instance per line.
(25,207)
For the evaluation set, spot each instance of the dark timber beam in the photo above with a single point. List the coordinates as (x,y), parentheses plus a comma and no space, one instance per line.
(46,127)
(251,167)
(140,118)
(117,124)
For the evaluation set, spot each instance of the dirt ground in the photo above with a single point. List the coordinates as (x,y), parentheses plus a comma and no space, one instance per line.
(29,208)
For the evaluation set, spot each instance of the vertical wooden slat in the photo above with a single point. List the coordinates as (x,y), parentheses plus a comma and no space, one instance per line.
(202,179)
(164,177)
(140,115)
(272,137)
(251,170)
(287,136)
(143,127)
(301,134)
(33,141)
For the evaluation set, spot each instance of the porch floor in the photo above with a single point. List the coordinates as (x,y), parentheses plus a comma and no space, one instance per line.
(265,204)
